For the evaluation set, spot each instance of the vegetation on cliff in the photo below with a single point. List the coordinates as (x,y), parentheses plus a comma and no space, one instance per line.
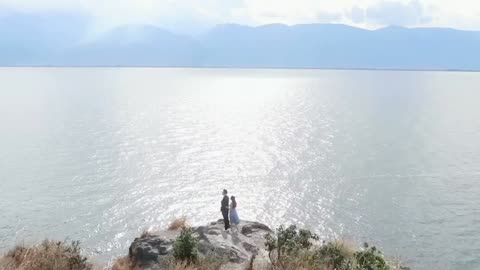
(49,255)
(288,248)
(291,248)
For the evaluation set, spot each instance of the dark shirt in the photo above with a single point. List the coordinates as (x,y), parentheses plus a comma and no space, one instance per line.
(224,204)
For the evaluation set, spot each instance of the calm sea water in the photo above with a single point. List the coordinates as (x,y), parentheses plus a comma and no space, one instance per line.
(98,155)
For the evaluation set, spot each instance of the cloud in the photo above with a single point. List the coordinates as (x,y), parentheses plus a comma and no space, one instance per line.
(176,15)
(328,17)
(272,15)
(357,15)
(397,13)
(195,15)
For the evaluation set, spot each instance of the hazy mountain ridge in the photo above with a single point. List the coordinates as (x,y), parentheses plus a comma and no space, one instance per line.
(136,45)
(42,40)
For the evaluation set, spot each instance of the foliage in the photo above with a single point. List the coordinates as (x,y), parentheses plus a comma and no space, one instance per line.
(185,246)
(207,262)
(299,249)
(292,249)
(50,255)
(335,255)
(288,241)
(371,259)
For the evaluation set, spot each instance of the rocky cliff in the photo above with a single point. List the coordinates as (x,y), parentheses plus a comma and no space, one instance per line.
(240,247)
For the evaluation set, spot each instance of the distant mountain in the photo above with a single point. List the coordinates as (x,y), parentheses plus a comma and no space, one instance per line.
(341,46)
(136,45)
(48,40)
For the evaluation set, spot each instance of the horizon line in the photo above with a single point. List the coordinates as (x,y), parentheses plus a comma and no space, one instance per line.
(244,67)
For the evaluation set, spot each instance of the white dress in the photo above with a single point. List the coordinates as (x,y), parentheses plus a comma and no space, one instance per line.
(234,219)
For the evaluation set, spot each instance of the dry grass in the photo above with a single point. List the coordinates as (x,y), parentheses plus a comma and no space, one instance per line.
(178,223)
(187,266)
(50,255)
(337,255)
(147,233)
(124,263)
(299,262)
(209,263)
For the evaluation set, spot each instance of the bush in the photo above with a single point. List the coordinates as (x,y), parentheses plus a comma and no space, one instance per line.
(185,246)
(288,241)
(296,249)
(335,255)
(371,259)
(50,255)
(178,223)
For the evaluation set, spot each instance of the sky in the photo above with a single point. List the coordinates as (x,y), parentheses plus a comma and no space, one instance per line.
(197,15)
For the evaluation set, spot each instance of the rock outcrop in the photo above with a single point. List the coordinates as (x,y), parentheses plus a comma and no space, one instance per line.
(239,247)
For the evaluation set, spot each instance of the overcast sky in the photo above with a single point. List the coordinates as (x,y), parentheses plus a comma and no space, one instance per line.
(191,15)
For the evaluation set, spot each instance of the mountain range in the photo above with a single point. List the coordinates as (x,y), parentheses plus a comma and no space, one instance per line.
(57,41)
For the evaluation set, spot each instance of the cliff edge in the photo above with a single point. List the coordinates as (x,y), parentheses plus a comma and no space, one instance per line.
(240,247)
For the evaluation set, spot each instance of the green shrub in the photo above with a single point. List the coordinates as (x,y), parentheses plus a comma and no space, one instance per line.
(296,249)
(335,255)
(288,240)
(371,259)
(185,246)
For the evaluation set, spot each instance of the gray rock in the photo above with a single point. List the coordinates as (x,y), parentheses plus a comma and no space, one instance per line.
(232,253)
(238,247)
(250,248)
(146,251)
(254,227)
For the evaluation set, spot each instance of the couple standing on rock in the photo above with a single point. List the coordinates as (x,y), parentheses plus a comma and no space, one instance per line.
(232,208)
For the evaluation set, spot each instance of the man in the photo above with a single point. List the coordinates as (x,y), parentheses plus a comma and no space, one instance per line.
(224,209)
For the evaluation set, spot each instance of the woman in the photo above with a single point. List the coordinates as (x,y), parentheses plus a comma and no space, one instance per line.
(234,219)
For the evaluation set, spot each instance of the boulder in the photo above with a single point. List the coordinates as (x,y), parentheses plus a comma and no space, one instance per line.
(240,246)
(145,252)
(255,227)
